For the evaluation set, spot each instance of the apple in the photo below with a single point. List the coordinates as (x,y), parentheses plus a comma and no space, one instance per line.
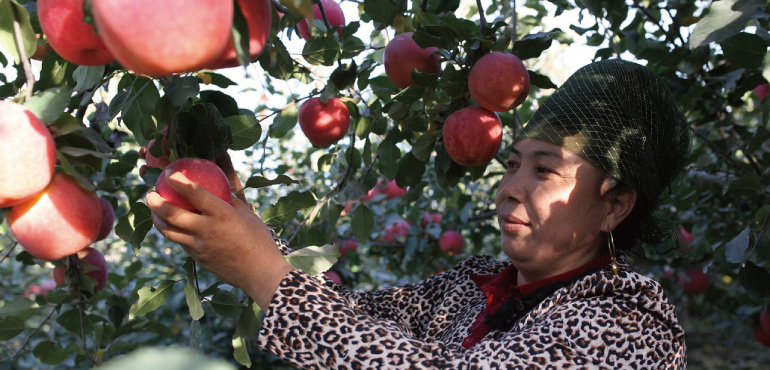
(258,14)
(158,38)
(428,218)
(451,242)
(71,38)
(402,55)
(764,320)
(158,162)
(324,124)
(108,219)
(398,229)
(334,277)
(27,154)
(472,136)
(333,14)
(762,337)
(499,81)
(91,262)
(344,246)
(373,192)
(42,289)
(685,237)
(762,91)
(695,282)
(392,190)
(61,220)
(200,171)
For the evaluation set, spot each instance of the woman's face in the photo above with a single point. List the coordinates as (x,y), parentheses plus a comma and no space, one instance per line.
(550,209)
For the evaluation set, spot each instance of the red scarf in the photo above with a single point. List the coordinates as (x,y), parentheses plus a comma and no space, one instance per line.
(499,287)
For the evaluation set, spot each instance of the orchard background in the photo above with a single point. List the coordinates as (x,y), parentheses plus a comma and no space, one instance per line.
(712,55)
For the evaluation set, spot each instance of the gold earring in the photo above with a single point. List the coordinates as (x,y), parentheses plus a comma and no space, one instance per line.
(611,243)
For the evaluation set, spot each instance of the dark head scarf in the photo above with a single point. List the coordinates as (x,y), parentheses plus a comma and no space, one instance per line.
(619,116)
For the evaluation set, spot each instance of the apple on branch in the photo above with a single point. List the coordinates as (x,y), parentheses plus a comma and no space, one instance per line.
(402,55)
(205,174)
(472,136)
(158,38)
(324,124)
(60,221)
(71,37)
(333,13)
(91,263)
(108,219)
(695,282)
(27,154)
(258,15)
(451,242)
(499,81)
(392,190)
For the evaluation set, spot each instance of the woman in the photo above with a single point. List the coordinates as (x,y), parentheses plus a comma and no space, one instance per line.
(584,176)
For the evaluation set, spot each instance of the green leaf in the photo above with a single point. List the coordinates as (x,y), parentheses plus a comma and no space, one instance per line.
(303,8)
(362,222)
(11,326)
(135,225)
(410,170)
(344,76)
(150,299)
(226,304)
(54,72)
(389,155)
(284,121)
(191,295)
(286,208)
(540,81)
(314,260)
(70,320)
(384,11)
(206,129)
(423,147)
(49,104)
(260,182)
(87,77)
(735,250)
(531,46)
(65,124)
(724,19)
(139,109)
(744,50)
(49,352)
(226,105)
(746,184)
(7,35)
(180,89)
(321,51)
(755,279)
(239,33)
(246,326)
(217,79)
(167,358)
(245,130)
(20,307)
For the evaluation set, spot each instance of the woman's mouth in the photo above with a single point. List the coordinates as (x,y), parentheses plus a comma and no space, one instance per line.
(512,224)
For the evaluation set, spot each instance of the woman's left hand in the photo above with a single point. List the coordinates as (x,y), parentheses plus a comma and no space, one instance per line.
(228,240)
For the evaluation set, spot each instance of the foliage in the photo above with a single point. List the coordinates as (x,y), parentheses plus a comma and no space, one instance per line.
(711,57)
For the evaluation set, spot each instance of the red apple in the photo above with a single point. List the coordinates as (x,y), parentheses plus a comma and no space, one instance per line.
(158,38)
(762,337)
(428,218)
(451,242)
(762,91)
(685,237)
(200,171)
(346,245)
(402,55)
(373,192)
(499,81)
(398,229)
(392,190)
(108,219)
(157,162)
(333,14)
(42,289)
(27,154)
(764,320)
(334,277)
(91,263)
(472,136)
(73,39)
(60,221)
(258,17)
(695,282)
(324,124)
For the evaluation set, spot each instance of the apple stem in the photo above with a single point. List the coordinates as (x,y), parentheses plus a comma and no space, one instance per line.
(22,53)
(226,164)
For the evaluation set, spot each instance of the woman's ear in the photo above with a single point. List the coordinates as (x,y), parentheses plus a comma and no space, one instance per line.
(620,202)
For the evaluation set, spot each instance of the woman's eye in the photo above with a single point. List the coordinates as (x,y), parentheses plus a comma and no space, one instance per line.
(512,164)
(541,169)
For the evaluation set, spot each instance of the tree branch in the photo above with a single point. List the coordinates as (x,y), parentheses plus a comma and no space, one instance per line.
(22,53)
(9,250)
(26,341)
(323,15)
(278,6)
(482,19)
(73,264)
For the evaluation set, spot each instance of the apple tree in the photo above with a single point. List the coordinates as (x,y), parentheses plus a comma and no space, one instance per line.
(348,151)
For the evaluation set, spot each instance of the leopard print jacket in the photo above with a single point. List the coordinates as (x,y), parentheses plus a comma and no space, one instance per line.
(599,321)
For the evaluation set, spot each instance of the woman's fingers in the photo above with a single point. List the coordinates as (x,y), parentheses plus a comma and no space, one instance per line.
(171,215)
(171,232)
(199,197)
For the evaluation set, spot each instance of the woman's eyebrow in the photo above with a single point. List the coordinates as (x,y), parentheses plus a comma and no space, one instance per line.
(539,153)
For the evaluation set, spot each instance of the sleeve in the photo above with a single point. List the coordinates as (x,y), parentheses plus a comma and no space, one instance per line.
(411,305)
(314,327)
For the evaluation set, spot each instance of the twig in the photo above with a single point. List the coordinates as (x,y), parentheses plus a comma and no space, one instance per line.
(22,53)
(226,164)
(73,263)
(482,18)
(195,278)
(277,4)
(323,15)
(29,337)
(8,253)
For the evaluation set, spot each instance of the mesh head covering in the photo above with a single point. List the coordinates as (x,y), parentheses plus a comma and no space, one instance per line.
(619,116)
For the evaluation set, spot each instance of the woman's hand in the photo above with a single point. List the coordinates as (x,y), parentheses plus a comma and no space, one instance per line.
(227,240)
